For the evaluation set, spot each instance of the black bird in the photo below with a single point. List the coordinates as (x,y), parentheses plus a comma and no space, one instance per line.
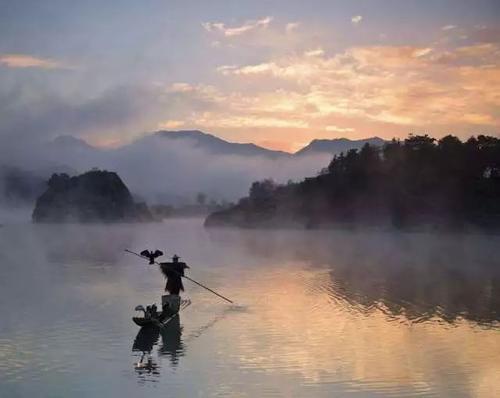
(151,255)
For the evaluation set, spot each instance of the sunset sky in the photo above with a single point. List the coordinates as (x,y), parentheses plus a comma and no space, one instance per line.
(277,73)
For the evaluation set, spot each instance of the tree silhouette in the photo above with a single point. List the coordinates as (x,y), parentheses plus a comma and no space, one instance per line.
(419,181)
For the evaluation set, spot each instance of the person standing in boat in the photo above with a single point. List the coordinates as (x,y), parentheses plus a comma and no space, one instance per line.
(174,271)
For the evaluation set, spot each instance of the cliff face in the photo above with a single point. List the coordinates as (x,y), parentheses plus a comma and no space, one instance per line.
(95,196)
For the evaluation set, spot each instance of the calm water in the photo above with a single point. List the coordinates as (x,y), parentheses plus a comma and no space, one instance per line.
(319,314)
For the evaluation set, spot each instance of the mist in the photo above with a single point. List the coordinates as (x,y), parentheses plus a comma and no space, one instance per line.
(42,132)
(160,170)
(156,166)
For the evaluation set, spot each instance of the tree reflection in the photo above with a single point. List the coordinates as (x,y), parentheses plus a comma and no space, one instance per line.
(415,275)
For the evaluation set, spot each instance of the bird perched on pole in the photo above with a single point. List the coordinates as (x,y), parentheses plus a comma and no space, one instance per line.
(151,255)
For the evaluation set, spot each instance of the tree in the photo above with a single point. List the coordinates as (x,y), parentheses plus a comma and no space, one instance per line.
(420,180)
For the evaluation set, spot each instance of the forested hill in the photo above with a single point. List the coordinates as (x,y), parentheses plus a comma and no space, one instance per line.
(420,181)
(94,196)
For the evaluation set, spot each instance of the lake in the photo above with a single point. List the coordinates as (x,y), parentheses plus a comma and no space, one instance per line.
(317,313)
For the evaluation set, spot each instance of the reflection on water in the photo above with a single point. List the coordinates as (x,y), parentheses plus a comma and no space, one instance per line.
(418,276)
(320,313)
(171,342)
(146,366)
(171,347)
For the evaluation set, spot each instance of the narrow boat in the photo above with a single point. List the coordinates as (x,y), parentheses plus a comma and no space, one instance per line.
(171,304)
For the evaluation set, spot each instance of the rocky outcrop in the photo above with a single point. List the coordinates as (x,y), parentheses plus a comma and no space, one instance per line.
(95,196)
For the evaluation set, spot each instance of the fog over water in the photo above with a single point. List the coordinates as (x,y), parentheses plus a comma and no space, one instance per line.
(318,313)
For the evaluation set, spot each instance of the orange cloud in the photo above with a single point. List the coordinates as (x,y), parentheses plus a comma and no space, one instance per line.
(227,121)
(170,124)
(401,85)
(28,61)
(384,90)
(292,26)
(338,129)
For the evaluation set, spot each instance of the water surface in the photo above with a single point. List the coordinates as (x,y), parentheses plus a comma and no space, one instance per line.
(319,313)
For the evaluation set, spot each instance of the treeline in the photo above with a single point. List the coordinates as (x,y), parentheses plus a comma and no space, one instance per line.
(443,183)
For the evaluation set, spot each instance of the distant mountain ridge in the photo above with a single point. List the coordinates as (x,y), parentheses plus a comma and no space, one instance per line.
(173,166)
(218,145)
(69,141)
(337,145)
(215,145)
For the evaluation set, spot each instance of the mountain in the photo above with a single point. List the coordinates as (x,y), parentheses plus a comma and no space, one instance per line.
(211,144)
(172,167)
(218,146)
(338,145)
(95,196)
(68,142)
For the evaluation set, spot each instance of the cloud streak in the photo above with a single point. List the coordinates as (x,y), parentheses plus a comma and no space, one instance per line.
(248,26)
(448,27)
(23,61)
(356,20)
(338,129)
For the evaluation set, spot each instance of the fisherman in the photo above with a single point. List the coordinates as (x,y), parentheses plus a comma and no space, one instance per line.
(174,271)
(170,302)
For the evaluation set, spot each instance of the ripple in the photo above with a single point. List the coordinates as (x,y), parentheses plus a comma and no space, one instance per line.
(312,319)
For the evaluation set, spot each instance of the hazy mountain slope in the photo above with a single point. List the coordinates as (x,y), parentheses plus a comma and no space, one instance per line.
(336,146)
(215,145)
(19,187)
(173,166)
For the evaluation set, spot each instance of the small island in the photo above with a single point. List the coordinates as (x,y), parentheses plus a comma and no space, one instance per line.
(95,196)
(416,183)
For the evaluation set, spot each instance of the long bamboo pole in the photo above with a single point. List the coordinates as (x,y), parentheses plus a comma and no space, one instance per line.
(187,277)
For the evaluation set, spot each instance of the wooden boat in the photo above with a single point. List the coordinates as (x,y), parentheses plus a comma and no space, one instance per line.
(171,305)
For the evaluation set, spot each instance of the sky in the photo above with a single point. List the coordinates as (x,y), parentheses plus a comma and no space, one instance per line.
(276,73)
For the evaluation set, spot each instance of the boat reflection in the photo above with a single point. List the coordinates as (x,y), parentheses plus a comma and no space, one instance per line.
(171,342)
(146,368)
(172,347)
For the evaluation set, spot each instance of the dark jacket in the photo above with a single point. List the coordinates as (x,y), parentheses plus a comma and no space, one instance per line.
(173,271)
